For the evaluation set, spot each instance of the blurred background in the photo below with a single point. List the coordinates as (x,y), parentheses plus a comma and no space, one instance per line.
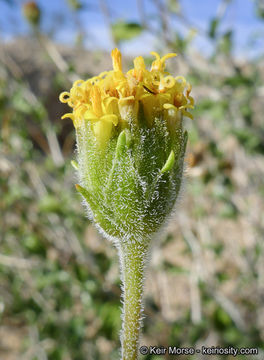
(59,280)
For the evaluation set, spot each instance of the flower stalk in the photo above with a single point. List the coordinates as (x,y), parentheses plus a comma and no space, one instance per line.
(133,262)
(131,147)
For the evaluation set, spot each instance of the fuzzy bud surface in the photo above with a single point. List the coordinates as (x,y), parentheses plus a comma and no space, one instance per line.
(131,144)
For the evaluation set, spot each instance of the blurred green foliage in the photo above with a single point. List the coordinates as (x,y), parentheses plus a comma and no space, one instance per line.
(59,282)
(123,31)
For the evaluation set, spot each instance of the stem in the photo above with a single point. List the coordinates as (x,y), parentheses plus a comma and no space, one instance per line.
(133,257)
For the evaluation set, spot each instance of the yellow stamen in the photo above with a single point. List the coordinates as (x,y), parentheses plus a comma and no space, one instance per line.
(139,63)
(117,60)
(96,100)
(139,68)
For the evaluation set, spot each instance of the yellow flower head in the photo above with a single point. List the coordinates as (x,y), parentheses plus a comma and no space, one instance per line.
(112,98)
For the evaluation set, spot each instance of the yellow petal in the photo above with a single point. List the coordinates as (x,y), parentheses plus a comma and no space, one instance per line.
(62,97)
(68,115)
(110,118)
(169,106)
(102,131)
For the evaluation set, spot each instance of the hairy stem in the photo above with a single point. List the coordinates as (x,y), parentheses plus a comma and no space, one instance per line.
(133,257)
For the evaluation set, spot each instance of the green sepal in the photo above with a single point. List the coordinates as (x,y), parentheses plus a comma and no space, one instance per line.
(119,151)
(97,212)
(185,140)
(121,144)
(75,165)
(88,197)
(169,163)
(101,215)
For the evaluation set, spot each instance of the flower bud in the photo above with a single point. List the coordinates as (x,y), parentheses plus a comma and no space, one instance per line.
(130,144)
(32,12)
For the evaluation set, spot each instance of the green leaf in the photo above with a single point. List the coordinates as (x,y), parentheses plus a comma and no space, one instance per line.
(75,4)
(213,27)
(123,31)
(259,9)
(174,6)
(226,43)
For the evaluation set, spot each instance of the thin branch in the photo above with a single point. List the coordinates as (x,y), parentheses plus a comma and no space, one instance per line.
(56,57)
(54,146)
(142,14)
(107,17)
(164,17)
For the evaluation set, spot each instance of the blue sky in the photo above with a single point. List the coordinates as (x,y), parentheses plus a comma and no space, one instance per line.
(56,13)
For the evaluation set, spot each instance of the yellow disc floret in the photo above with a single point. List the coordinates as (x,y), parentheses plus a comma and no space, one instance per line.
(112,98)
(159,63)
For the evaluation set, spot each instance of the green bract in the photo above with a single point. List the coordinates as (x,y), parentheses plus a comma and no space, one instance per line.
(131,185)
